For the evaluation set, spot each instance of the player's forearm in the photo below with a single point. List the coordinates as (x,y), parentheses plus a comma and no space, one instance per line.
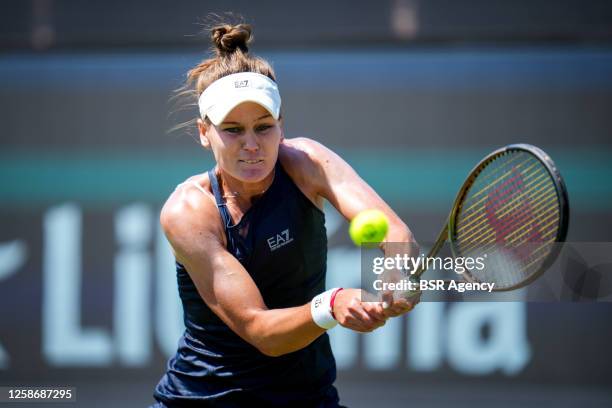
(280,331)
(398,233)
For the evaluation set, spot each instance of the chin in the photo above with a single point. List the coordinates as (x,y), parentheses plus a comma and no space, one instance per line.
(254,173)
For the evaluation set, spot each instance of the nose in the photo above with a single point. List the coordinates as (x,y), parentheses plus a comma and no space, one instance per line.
(250,142)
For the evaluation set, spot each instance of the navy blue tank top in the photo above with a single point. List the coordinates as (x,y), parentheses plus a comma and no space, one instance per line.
(281,241)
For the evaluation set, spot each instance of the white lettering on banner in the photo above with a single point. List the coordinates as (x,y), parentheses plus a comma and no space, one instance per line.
(425,346)
(12,256)
(383,347)
(168,309)
(343,267)
(506,347)
(65,343)
(4,359)
(132,320)
(438,334)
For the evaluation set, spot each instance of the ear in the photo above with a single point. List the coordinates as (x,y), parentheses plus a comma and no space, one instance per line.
(282,128)
(203,129)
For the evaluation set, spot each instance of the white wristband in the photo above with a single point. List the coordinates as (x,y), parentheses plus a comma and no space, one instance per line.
(320,309)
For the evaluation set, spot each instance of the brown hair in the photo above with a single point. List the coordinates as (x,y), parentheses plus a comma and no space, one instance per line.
(231,56)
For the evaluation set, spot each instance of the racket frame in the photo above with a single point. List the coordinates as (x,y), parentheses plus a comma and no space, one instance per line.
(448,232)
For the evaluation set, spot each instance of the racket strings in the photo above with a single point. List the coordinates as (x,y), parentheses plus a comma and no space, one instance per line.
(511,215)
(466,223)
(475,229)
(490,178)
(474,223)
(474,218)
(544,208)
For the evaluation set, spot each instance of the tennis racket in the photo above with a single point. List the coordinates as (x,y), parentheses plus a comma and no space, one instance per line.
(512,209)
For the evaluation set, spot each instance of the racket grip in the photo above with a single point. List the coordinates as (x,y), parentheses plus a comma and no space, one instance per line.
(407,294)
(421,268)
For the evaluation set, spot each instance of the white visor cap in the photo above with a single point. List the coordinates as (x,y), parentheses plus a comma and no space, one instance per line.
(223,95)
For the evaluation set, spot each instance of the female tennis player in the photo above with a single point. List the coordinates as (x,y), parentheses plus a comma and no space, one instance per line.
(250,246)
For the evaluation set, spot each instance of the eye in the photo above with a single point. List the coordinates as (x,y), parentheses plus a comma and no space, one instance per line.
(233,130)
(262,128)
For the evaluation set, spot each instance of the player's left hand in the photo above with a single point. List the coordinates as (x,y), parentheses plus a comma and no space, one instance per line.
(394,306)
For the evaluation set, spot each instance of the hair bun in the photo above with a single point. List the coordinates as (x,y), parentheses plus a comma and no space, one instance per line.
(228,38)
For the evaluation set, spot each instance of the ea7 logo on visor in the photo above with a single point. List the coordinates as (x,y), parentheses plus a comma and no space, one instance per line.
(241,84)
(279,240)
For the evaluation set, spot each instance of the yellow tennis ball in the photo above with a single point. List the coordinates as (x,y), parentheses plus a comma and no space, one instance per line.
(369,226)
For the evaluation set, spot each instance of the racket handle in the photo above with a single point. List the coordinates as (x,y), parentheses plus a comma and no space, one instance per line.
(421,269)
(407,294)
(442,237)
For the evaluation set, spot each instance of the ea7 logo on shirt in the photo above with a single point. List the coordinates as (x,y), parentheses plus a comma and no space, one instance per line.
(279,240)
(241,84)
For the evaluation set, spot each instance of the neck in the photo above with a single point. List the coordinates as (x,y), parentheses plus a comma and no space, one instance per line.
(244,193)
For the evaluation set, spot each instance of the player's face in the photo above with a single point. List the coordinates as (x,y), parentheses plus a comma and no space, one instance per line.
(246,144)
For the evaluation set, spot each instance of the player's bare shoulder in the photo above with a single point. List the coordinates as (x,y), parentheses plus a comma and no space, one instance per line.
(303,159)
(190,211)
(300,149)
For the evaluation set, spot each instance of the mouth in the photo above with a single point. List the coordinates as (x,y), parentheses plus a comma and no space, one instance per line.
(254,161)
